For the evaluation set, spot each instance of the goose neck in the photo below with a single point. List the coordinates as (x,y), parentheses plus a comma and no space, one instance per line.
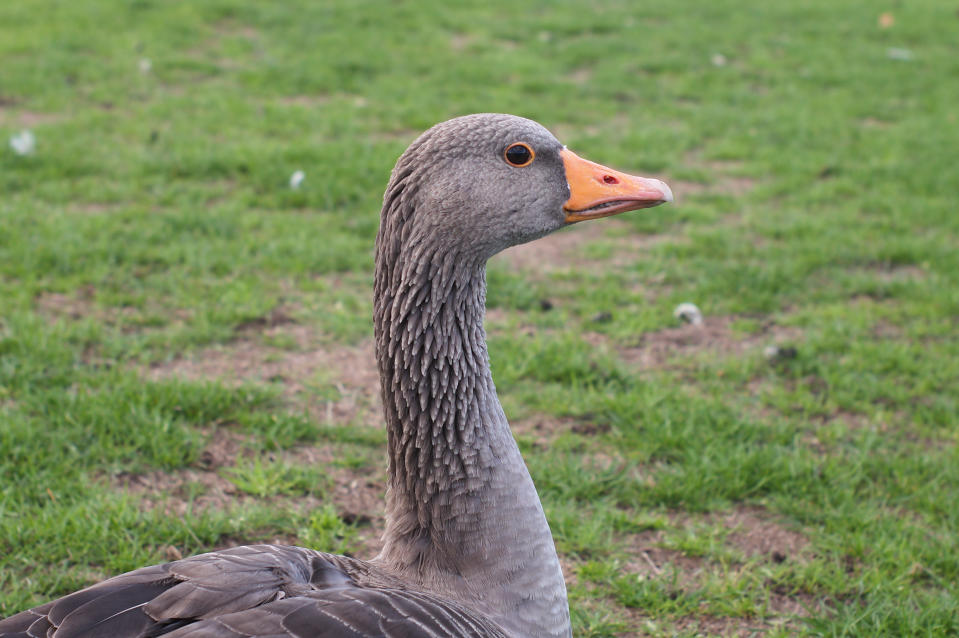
(463,516)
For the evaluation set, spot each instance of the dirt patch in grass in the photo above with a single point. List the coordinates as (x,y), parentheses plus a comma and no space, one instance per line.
(883,330)
(195,489)
(338,384)
(902,273)
(648,558)
(211,48)
(321,99)
(278,316)
(735,186)
(461,41)
(93,208)
(58,305)
(181,491)
(729,177)
(721,626)
(334,383)
(307,101)
(727,185)
(880,272)
(872,122)
(726,626)
(357,494)
(82,304)
(223,449)
(782,609)
(756,533)
(406,135)
(726,178)
(715,336)
(544,428)
(794,604)
(581,76)
(694,625)
(10,116)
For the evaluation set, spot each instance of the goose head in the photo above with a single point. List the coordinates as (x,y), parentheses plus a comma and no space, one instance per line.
(489,181)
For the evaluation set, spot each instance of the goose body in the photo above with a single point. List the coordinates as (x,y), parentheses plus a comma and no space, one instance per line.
(467,550)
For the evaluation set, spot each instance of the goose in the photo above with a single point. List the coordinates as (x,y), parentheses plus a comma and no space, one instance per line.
(467,550)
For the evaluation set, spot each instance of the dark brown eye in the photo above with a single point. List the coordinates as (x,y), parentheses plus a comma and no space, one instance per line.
(519,154)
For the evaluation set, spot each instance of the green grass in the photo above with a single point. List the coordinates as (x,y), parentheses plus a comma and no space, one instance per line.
(816,178)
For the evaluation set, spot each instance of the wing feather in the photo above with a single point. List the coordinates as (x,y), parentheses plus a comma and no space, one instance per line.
(259,591)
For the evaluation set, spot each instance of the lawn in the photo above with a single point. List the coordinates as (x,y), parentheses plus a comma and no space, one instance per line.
(185,339)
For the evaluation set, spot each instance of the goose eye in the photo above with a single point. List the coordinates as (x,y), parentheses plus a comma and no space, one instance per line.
(519,154)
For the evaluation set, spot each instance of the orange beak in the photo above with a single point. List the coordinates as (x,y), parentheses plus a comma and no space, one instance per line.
(596,191)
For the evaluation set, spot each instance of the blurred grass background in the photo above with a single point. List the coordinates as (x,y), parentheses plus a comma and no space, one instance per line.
(813,150)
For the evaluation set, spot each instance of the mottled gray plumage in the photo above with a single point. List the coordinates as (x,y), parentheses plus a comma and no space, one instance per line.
(259,590)
(467,548)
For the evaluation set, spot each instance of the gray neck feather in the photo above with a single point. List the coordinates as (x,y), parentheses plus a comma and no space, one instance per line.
(463,516)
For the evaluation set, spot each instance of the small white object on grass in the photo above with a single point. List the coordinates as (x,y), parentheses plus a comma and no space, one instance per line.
(689,313)
(145,65)
(779,354)
(23,143)
(903,55)
(718,59)
(296,179)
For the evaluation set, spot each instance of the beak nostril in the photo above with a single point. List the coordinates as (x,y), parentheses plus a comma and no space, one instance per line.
(609,179)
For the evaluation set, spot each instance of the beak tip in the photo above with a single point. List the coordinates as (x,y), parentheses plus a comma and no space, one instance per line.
(665,190)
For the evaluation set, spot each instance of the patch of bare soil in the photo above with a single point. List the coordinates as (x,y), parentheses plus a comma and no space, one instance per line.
(883,329)
(714,335)
(336,383)
(699,626)
(349,370)
(726,185)
(93,208)
(872,122)
(211,48)
(308,101)
(543,429)
(796,604)
(756,533)
(57,305)
(358,495)
(581,76)
(322,99)
(722,626)
(460,41)
(192,489)
(78,305)
(728,177)
(649,559)
(889,274)
(406,135)
(10,116)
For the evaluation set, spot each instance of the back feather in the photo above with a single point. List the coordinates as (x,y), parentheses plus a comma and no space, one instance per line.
(259,591)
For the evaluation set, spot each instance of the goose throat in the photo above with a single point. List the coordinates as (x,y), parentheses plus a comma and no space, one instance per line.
(448,436)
